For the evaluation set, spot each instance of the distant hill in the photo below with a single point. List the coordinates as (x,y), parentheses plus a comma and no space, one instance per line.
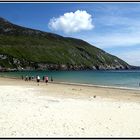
(24,48)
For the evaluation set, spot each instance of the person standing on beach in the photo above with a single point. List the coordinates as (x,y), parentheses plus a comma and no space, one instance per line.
(46,79)
(32,77)
(38,79)
(26,78)
(29,78)
(43,78)
(51,79)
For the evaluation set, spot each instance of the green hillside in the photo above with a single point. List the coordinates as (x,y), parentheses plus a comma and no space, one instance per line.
(26,48)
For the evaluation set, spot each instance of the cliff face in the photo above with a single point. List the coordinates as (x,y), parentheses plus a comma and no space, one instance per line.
(24,48)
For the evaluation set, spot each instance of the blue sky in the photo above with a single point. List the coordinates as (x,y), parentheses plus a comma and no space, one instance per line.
(113,27)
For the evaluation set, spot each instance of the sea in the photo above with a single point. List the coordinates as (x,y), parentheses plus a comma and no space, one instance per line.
(115,78)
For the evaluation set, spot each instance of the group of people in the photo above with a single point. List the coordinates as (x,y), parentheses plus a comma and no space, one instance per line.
(38,79)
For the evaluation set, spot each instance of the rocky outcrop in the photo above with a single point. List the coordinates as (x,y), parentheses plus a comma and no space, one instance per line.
(26,65)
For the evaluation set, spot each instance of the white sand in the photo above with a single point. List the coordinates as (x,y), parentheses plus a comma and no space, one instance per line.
(29,110)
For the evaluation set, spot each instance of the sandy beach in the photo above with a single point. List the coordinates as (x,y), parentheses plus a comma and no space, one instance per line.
(61,110)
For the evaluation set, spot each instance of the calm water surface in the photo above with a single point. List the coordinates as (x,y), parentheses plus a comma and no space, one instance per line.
(127,78)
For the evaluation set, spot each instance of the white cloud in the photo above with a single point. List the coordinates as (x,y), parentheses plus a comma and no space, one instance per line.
(72,22)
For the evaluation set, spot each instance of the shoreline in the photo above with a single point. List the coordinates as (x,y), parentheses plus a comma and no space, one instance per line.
(98,86)
(81,84)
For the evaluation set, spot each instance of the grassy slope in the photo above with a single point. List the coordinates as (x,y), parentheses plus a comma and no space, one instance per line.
(41,47)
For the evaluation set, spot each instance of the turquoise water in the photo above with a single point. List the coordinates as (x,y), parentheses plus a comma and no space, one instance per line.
(127,78)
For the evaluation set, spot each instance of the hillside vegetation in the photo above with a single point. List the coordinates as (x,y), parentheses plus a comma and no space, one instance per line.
(24,48)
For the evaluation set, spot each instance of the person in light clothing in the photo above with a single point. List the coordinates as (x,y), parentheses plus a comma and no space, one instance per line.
(38,79)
